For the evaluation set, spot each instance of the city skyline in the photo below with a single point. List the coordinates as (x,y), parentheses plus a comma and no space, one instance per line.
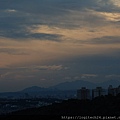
(46,42)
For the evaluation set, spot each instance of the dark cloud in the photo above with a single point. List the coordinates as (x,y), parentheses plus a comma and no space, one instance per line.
(16,16)
(22,35)
(15,26)
(58,7)
(13,51)
(105,40)
(53,37)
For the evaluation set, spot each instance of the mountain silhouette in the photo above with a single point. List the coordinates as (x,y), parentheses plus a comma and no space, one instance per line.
(74,85)
(62,90)
(33,89)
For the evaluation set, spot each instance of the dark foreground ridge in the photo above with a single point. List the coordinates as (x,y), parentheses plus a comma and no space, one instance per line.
(104,105)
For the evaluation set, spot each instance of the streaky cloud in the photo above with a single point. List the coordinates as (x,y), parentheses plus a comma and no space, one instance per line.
(13,51)
(105,40)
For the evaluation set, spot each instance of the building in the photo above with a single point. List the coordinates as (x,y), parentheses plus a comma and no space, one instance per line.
(118,90)
(113,91)
(99,91)
(83,93)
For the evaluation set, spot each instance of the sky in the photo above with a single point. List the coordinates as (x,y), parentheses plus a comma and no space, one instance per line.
(47,42)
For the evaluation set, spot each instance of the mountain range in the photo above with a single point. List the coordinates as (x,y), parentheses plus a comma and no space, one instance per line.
(74,85)
(62,90)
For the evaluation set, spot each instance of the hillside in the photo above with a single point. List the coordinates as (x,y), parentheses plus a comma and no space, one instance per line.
(104,105)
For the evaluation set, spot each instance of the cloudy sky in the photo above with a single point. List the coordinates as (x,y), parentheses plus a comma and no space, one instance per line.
(46,42)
